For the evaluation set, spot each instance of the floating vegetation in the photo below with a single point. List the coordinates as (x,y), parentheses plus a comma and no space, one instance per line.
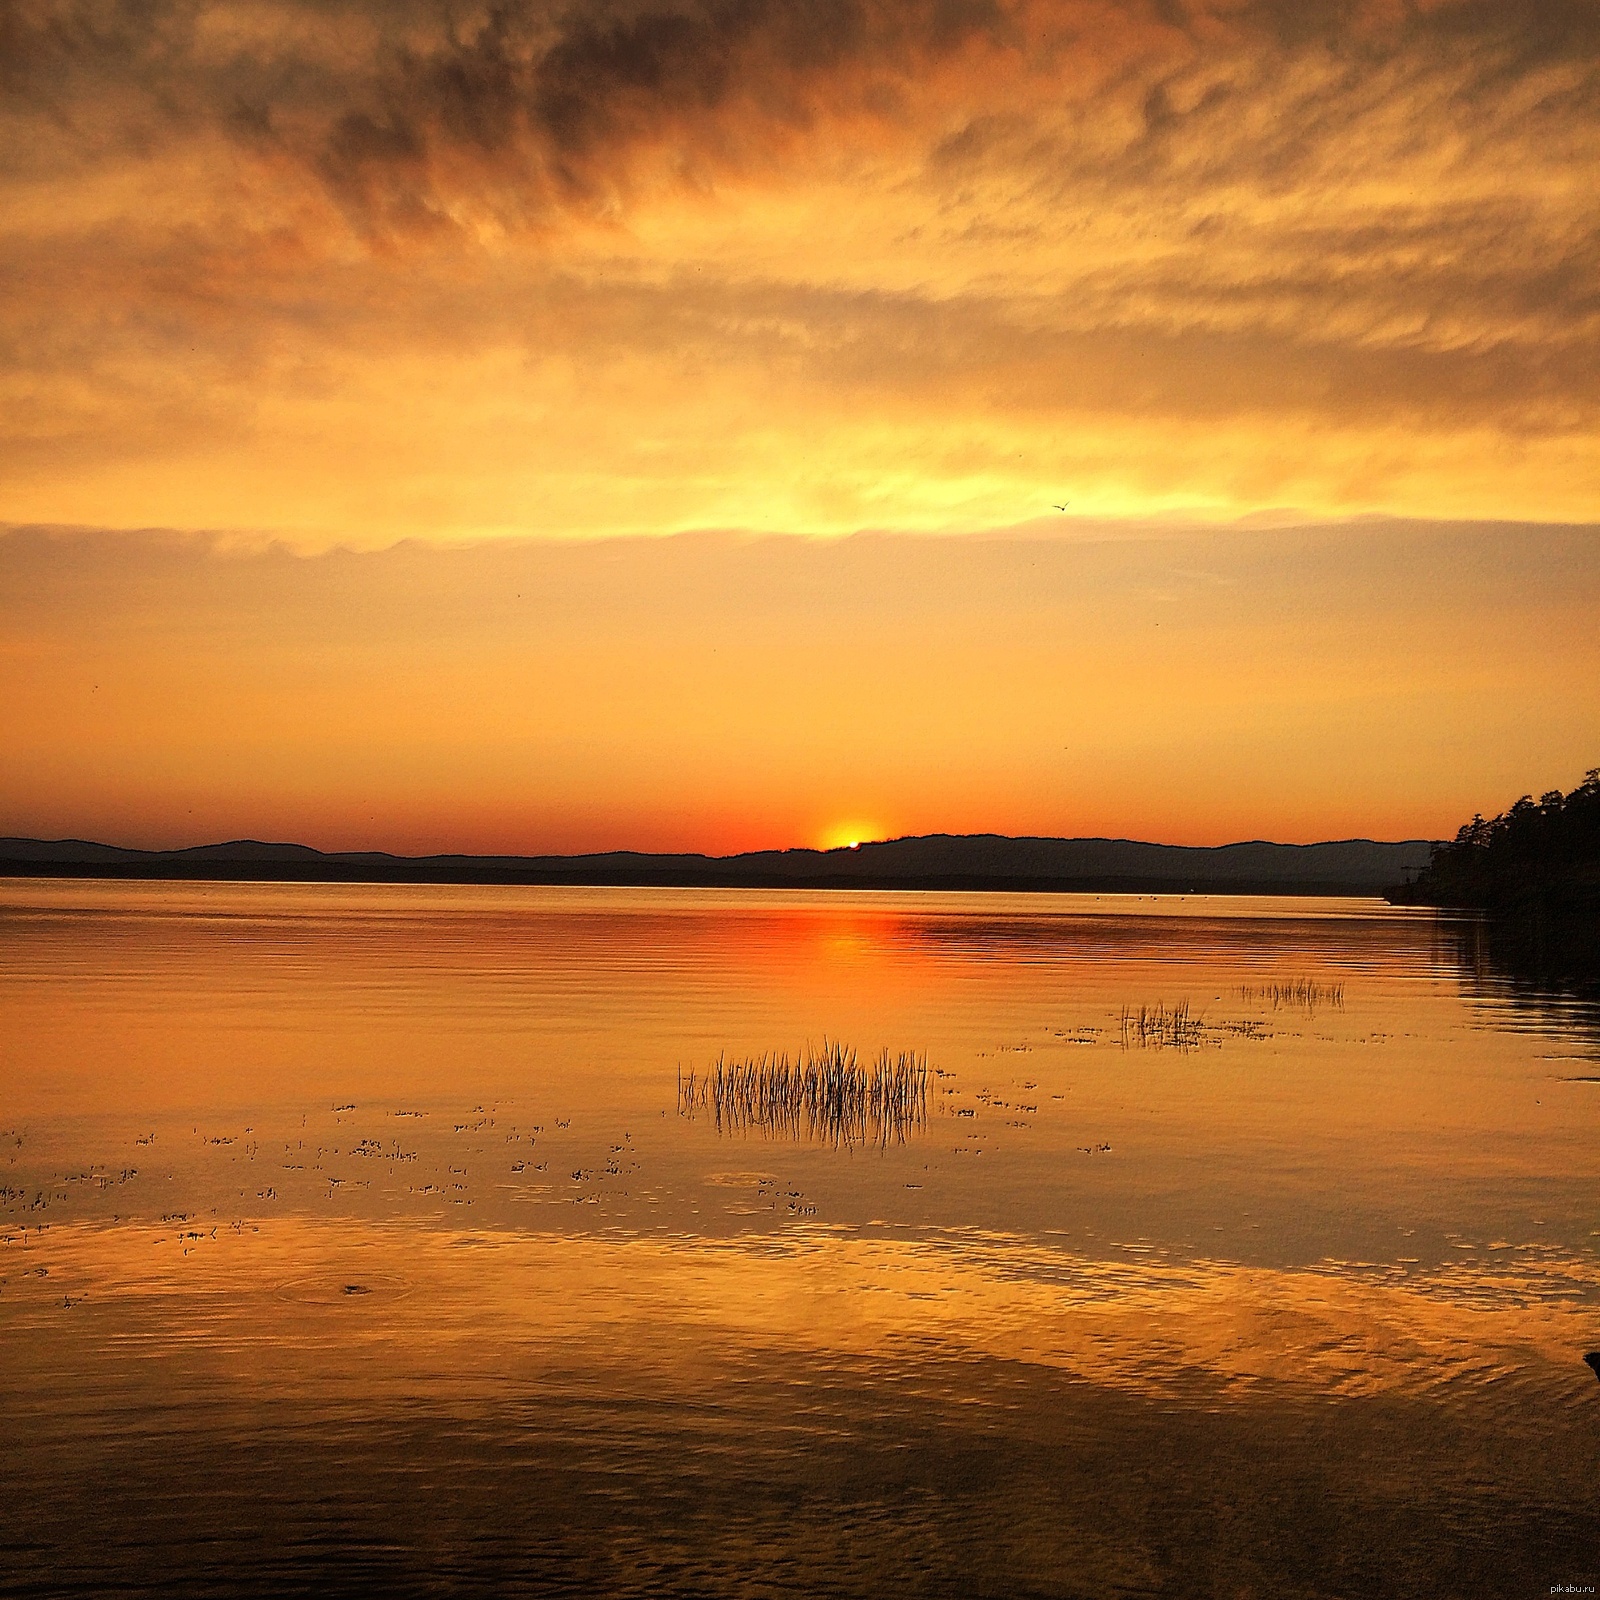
(1304,994)
(826,1094)
(1241,1027)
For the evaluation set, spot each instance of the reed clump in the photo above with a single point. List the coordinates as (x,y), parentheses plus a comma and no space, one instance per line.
(1161,1026)
(1303,994)
(827,1094)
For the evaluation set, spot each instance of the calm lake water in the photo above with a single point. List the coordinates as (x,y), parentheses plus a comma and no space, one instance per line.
(360,1239)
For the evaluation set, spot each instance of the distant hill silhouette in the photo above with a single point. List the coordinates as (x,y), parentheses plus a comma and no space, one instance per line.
(934,861)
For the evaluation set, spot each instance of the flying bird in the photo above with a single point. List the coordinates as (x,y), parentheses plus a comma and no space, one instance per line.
(1062,508)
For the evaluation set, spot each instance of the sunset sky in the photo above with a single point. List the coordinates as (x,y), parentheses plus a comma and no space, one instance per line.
(575,426)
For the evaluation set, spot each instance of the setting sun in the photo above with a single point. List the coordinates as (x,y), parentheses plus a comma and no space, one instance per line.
(849,835)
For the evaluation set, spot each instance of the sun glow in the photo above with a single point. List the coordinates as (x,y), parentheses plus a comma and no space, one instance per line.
(848,835)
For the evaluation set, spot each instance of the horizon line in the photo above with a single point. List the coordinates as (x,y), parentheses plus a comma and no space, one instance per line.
(702,855)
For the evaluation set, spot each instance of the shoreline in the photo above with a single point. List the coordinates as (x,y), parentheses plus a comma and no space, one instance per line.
(266,872)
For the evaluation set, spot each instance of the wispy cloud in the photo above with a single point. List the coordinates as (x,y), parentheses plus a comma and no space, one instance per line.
(359,270)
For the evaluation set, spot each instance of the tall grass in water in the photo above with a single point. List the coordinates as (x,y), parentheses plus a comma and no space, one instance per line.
(1161,1026)
(827,1094)
(1305,994)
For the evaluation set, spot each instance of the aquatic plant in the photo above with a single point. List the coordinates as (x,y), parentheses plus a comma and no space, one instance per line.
(1176,1027)
(1161,1026)
(1304,993)
(827,1094)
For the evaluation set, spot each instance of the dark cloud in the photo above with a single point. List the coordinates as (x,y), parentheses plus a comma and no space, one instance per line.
(407,109)
(529,106)
(400,107)
(552,107)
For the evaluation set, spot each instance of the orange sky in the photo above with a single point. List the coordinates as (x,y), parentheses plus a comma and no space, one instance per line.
(716,692)
(468,307)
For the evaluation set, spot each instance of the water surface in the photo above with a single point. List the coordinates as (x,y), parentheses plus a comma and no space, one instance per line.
(360,1237)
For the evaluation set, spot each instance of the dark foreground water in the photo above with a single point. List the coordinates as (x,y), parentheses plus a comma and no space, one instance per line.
(359,1239)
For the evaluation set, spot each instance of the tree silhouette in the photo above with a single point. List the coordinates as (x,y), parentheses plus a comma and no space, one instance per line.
(1541,853)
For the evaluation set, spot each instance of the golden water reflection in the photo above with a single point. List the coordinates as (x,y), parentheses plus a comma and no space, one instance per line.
(356,1236)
